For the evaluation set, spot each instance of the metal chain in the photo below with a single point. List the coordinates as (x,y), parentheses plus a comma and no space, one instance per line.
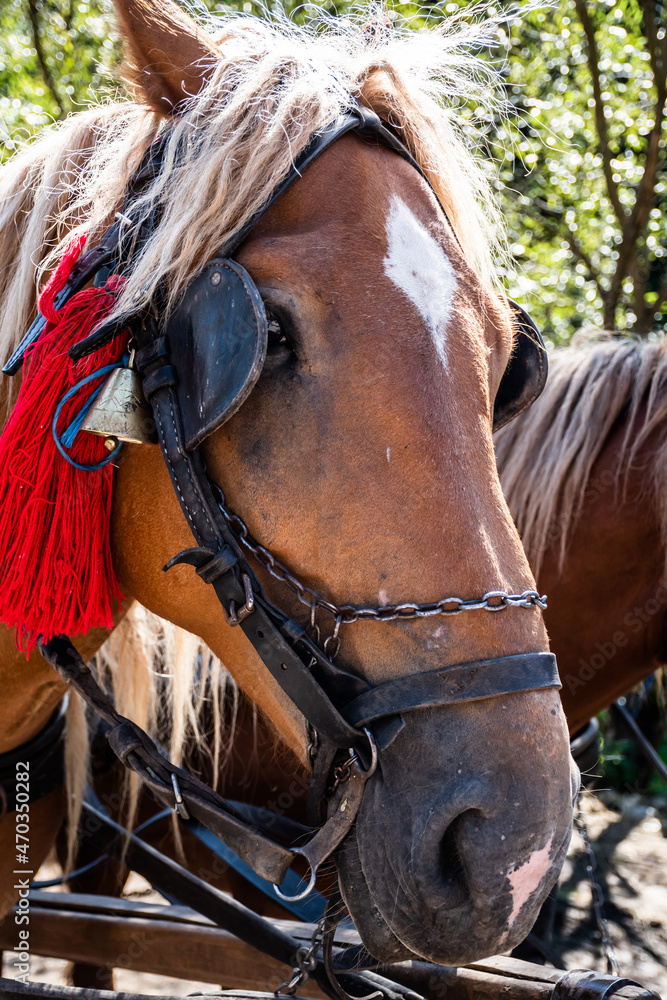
(306,963)
(597,898)
(347,614)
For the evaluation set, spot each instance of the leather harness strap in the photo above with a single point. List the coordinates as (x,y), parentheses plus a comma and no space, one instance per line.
(42,756)
(453,685)
(167,782)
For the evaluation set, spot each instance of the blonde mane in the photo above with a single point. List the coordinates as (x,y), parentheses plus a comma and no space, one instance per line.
(546,456)
(273,86)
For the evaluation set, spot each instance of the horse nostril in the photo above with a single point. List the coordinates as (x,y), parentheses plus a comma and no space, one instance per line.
(452,869)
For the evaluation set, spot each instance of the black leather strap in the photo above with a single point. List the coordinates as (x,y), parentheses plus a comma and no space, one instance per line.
(462,683)
(84,270)
(583,984)
(135,749)
(44,756)
(265,628)
(358,119)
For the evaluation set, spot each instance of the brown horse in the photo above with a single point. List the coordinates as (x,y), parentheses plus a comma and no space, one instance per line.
(375,403)
(584,476)
(584,473)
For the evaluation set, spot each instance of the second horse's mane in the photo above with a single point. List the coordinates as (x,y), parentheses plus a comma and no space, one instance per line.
(546,456)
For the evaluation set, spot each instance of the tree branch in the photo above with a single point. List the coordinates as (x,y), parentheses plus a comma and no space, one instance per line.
(593,58)
(636,221)
(641,306)
(655,49)
(37,42)
(546,218)
(68,17)
(639,215)
(662,297)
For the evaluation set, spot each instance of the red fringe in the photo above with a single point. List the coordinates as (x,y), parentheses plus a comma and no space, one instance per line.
(56,573)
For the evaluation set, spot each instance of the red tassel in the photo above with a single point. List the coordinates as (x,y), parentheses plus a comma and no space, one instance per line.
(56,574)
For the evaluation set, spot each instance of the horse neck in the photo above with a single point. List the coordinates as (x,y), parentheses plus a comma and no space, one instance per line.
(608,599)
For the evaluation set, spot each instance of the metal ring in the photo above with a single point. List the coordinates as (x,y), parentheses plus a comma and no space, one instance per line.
(306,892)
(370,770)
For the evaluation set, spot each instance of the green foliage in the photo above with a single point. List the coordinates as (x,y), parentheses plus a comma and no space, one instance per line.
(50,56)
(585,80)
(618,765)
(623,767)
(571,176)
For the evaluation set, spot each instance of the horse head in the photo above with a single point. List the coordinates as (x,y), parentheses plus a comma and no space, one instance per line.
(362,458)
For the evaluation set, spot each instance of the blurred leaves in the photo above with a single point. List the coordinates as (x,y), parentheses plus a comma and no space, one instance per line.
(571,175)
(579,165)
(50,57)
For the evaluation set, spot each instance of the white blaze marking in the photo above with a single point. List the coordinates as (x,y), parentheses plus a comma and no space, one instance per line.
(417,264)
(525,879)
(388,453)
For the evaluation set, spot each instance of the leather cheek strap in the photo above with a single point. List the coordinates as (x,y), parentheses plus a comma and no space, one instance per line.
(262,627)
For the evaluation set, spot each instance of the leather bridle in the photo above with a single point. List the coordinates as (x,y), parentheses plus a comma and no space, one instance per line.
(350,720)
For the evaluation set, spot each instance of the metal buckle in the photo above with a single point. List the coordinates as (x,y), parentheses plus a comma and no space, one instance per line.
(233,616)
(179,804)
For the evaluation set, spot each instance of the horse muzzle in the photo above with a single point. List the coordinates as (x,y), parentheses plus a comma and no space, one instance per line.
(454,866)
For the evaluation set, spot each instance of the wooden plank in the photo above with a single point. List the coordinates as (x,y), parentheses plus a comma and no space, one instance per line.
(193,950)
(183,950)
(435,982)
(15,990)
(177,941)
(505,966)
(79,902)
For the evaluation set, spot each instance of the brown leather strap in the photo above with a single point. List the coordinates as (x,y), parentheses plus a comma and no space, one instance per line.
(44,756)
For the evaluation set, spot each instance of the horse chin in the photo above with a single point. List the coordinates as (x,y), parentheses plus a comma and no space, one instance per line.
(376,935)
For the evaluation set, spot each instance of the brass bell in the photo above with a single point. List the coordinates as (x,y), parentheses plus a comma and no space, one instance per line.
(121,411)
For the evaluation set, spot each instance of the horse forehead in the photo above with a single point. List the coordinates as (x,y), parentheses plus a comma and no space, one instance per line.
(346,194)
(419,266)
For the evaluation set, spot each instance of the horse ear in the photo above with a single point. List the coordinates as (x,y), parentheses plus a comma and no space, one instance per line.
(169,57)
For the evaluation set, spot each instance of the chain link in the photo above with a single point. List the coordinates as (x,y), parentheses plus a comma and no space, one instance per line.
(597,898)
(347,614)
(306,963)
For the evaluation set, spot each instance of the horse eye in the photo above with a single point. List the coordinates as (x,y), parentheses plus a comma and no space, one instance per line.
(278,336)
